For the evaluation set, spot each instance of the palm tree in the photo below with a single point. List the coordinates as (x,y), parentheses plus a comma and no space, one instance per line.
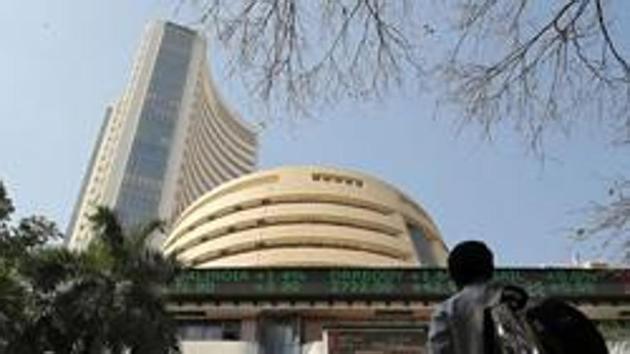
(17,244)
(108,297)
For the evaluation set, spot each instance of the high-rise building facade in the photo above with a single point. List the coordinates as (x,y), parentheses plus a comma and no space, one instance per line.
(169,139)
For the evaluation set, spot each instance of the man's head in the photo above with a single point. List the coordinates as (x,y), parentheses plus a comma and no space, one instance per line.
(470,262)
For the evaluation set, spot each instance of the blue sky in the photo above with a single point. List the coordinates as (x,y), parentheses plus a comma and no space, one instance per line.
(63,61)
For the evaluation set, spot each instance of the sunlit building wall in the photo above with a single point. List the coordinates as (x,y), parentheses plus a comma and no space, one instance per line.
(305,216)
(300,217)
(168,140)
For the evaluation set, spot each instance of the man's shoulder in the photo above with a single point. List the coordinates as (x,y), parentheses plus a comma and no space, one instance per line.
(481,294)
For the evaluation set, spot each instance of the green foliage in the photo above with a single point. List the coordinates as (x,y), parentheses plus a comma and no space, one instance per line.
(107,297)
(18,248)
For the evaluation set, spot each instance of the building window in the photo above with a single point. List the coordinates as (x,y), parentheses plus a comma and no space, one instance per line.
(423,246)
(280,335)
(229,330)
(350,181)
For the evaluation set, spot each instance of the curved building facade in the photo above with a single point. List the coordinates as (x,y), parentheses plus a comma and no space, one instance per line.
(305,216)
(168,140)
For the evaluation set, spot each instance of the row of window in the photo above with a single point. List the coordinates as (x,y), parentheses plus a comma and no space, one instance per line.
(252,204)
(229,125)
(249,183)
(211,153)
(210,330)
(138,202)
(261,246)
(224,136)
(334,178)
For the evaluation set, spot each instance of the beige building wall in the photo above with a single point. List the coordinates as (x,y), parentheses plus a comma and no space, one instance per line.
(205,132)
(305,216)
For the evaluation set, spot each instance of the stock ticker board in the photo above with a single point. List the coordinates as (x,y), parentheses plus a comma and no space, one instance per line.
(387,284)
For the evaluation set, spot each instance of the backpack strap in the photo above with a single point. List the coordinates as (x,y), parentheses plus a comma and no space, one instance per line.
(504,311)
(490,338)
(490,343)
(514,296)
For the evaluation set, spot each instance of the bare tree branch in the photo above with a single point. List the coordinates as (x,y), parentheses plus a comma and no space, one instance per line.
(543,74)
(609,42)
(609,223)
(355,48)
(537,67)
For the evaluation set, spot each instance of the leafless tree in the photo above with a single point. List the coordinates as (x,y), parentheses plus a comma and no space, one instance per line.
(544,67)
(540,67)
(609,224)
(304,53)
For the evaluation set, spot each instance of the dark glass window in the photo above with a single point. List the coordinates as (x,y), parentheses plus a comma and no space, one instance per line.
(229,330)
(423,246)
(280,335)
(141,189)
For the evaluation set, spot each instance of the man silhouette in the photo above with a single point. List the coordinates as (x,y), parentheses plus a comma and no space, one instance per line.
(457,323)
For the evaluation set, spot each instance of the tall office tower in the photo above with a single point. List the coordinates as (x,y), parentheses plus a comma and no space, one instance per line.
(167,140)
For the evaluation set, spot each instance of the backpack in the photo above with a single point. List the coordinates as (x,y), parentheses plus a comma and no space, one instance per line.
(514,324)
(562,328)
(506,328)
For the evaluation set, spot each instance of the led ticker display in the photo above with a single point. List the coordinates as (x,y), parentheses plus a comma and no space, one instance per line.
(383,283)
